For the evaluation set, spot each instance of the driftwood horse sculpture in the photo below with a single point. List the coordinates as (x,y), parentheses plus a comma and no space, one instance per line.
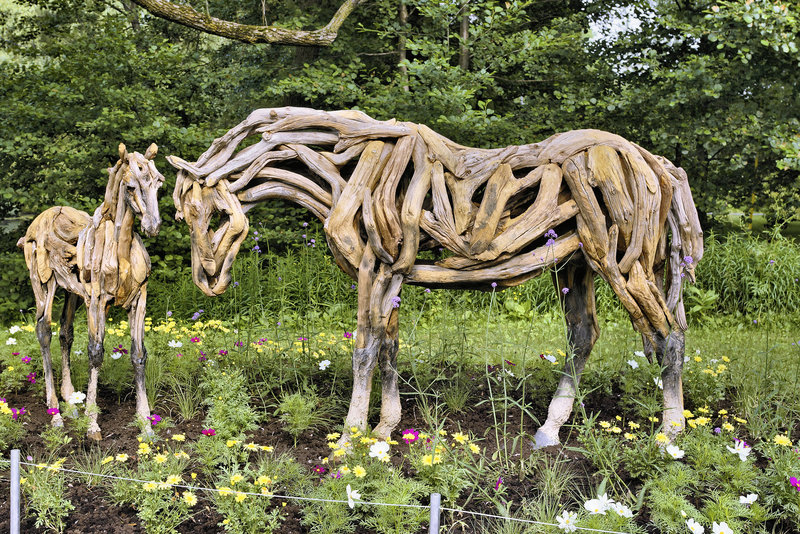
(387,190)
(99,259)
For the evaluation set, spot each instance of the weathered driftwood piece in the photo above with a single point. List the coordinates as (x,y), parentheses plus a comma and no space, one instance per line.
(387,190)
(103,261)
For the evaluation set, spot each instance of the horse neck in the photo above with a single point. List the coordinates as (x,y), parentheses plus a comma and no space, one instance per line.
(114,207)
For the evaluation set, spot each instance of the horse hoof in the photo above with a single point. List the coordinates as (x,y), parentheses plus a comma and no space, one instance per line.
(58,422)
(95,435)
(541,440)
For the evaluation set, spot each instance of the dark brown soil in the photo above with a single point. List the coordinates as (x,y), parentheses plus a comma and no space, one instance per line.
(94,511)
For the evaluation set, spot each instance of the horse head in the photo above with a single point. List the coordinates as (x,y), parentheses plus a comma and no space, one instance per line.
(140,182)
(217,225)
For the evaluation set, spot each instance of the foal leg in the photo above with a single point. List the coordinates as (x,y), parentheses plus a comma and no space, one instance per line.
(390,391)
(96,319)
(136,315)
(581,317)
(44,294)
(65,337)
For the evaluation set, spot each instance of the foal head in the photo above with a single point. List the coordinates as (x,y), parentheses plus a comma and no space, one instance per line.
(139,183)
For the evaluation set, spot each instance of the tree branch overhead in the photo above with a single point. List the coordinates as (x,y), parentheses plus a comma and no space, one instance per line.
(188,16)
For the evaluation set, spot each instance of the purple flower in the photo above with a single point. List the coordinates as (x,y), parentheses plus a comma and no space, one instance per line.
(337,474)
(305,225)
(565,290)
(154,419)
(53,411)
(223,352)
(348,335)
(201,358)
(238,344)
(717,430)
(395,302)
(236,284)
(209,432)
(688,260)
(119,350)
(302,338)
(169,314)
(195,339)
(197,315)
(318,469)
(509,362)
(31,377)
(494,285)
(26,359)
(427,290)
(551,234)
(795,482)
(352,286)
(256,249)
(16,413)
(500,479)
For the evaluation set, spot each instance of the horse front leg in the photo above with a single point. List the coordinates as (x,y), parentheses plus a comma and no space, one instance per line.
(670,353)
(576,290)
(96,320)
(44,294)
(65,337)
(136,315)
(391,410)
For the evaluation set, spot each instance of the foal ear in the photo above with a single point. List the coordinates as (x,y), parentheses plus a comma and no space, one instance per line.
(123,152)
(152,150)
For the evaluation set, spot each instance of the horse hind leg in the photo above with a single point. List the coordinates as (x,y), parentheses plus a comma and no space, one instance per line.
(670,351)
(96,319)
(65,337)
(391,410)
(44,294)
(576,290)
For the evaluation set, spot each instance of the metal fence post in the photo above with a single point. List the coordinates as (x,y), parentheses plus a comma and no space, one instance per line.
(436,500)
(15,491)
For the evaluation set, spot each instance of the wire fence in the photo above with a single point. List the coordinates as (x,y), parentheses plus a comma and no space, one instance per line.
(434,506)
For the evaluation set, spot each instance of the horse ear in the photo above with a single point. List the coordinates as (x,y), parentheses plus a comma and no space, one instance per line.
(152,150)
(123,152)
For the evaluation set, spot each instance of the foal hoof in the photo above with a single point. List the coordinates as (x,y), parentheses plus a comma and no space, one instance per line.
(541,440)
(57,421)
(94,435)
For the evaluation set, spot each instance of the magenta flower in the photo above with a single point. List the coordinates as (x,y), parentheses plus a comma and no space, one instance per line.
(337,474)
(302,338)
(223,352)
(209,432)
(499,479)
(154,419)
(410,436)
(15,413)
(348,335)
(26,359)
(509,362)
(318,469)
(31,377)
(195,340)
(238,344)
(795,482)
(53,411)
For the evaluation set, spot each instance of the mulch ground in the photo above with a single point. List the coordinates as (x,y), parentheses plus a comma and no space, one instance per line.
(95,513)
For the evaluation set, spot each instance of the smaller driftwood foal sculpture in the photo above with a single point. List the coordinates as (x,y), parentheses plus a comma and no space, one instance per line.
(101,260)
(588,200)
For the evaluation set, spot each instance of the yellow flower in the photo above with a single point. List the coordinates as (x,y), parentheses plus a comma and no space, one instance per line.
(106,460)
(727,426)
(173,479)
(338,453)
(267,448)
(618,418)
(160,458)
(740,420)
(474,448)
(265,491)
(240,496)
(235,479)
(721,368)
(121,457)
(615,429)
(193,475)
(605,424)
(344,469)
(391,442)
(628,435)
(780,439)
(460,438)
(726,359)
(181,454)
(252,447)
(698,359)
(704,410)
(427,460)
(263,480)
(144,449)
(702,421)
(359,471)
(662,438)
(149,486)
(688,414)
(225,490)
(443,432)
(723,412)
(334,436)
(653,419)
(353,429)
(180,437)
(189,498)
(633,425)
(231,443)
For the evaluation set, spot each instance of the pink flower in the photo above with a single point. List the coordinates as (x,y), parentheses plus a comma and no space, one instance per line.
(31,377)
(795,482)
(348,335)
(410,436)
(223,352)
(195,340)
(318,469)
(209,432)
(26,359)
(154,419)
(53,411)
(498,483)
